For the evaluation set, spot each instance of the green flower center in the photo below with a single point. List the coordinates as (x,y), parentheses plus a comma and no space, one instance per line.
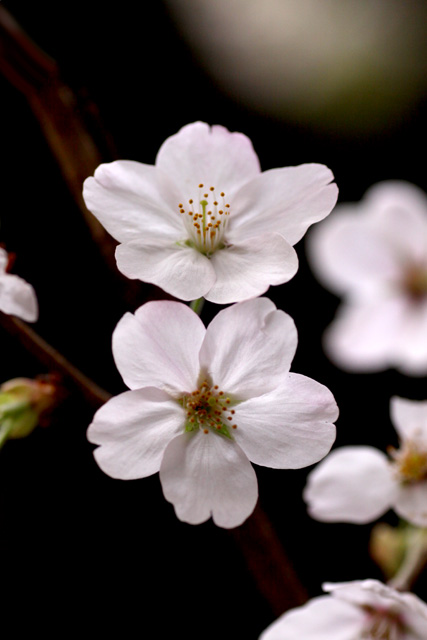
(206,220)
(411,462)
(209,409)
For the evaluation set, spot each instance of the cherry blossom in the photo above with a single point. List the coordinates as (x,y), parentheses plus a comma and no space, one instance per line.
(17,297)
(361,609)
(374,255)
(359,483)
(204,403)
(204,221)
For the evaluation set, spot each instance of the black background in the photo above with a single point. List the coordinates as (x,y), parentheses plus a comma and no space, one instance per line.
(112,553)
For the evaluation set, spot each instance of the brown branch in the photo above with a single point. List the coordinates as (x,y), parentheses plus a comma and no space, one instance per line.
(36,75)
(54,361)
(266,559)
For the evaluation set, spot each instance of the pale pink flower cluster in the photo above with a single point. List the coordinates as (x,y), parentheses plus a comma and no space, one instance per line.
(205,403)
(358,610)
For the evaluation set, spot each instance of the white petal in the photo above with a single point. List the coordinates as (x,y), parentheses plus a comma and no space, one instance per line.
(363,336)
(248,348)
(347,252)
(400,211)
(353,484)
(125,197)
(411,503)
(290,427)
(4,259)
(375,594)
(409,418)
(18,298)
(179,270)
(159,346)
(322,618)
(209,155)
(285,201)
(411,347)
(246,269)
(207,474)
(133,430)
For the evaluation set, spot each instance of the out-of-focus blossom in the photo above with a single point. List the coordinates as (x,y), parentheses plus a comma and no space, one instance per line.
(337,64)
(362,609)
(17,297)
(374,255)
(358,484)
(205,402)
(204,221)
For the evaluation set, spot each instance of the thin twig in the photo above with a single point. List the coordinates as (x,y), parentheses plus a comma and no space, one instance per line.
(53,360)
(413,563)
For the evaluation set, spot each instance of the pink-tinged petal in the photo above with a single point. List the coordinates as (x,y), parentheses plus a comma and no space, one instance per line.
(206,475)
(133,430)
(399,210)
(18,298)
(363,336)
(285,201)
(248,348)
(322,618)
(409,418)
(208,155)
(353,484)
(246,269)
(159,346)
(411,347)
(125,197)
(290,427)
(178,269)
(348,253)
(4,259)
(411,503)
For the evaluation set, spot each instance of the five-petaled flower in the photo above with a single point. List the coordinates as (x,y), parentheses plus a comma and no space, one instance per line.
(361,609)
(17,297)
(374,254)
(203,221)
(205,402)
(358,484)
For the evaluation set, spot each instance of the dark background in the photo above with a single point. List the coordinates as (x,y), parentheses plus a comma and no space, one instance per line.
(112,553)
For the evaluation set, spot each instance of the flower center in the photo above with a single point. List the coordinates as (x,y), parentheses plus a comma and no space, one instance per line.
(382,625)
(206,220)
(411,463)
(209,409)
(415,282)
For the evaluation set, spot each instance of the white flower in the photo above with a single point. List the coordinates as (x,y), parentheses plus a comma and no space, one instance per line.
(17,297)
(358,610)
(203,402)
(374,254)
(359,484)
(204,221)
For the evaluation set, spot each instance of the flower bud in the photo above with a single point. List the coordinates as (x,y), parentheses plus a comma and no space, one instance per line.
(24,403)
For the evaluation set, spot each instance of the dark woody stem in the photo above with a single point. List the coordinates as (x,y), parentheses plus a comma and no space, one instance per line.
(54,361)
